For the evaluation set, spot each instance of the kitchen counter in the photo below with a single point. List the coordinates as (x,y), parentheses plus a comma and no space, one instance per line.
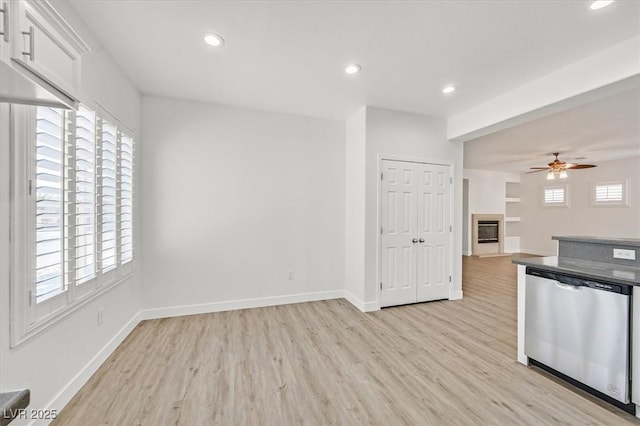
(628,242)
(585,268)
(11,404)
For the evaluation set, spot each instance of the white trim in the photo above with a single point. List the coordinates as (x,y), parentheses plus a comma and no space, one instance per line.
(205,308)
(521,284)
(20,336)
(360,304)
(75,384)
(624,202)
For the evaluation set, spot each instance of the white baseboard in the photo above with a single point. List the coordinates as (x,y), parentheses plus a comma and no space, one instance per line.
(467,253)
(455,295)
(360,304)
(205,308)
(76,383)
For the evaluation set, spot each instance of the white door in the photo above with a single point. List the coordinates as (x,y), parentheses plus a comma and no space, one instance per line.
(399,229)
(433,232)
(415,233)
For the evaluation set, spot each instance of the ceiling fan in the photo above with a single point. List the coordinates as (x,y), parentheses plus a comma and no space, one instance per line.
(558,169)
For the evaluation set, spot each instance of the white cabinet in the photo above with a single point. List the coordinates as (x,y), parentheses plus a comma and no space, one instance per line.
(5,30)
(39,44)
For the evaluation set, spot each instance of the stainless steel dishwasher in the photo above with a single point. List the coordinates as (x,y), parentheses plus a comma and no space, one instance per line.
(579,328)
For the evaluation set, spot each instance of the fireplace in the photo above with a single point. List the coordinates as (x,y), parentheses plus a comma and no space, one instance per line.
(487,234)
(488,231)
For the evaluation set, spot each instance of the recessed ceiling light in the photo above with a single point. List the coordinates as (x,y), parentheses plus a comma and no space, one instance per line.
(353,69)
(448,89)
(599,4)
(214,40)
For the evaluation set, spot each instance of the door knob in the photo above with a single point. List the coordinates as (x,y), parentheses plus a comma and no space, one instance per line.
(415,240)
(421,240)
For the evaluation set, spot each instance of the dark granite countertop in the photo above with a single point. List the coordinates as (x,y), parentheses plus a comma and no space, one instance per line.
(584,268)
(627,242)
(11,403)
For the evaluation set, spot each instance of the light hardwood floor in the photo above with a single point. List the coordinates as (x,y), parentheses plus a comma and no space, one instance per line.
(437,363)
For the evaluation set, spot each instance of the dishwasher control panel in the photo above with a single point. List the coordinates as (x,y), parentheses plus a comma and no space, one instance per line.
(580,281)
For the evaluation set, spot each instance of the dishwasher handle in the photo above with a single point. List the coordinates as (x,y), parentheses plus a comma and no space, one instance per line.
(569,287)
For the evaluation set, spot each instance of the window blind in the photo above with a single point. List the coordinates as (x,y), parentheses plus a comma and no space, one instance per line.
(49,187)
(609,193)
(554,195)
(108,197)
(126,198)
(85,195)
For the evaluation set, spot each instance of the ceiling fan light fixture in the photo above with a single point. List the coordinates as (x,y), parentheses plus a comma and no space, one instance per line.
(551,176)
(563,174)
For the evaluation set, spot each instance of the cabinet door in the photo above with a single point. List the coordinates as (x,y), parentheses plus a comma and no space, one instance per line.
(399,220)
(46,46)
(5,30)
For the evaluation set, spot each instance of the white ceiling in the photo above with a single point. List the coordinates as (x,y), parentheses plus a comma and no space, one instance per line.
(289,56)
(602,130)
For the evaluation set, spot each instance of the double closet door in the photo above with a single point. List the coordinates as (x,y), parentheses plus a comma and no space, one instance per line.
(415,243)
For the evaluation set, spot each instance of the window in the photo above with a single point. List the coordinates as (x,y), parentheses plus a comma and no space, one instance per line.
(556,196)
(609,194)
(74,223)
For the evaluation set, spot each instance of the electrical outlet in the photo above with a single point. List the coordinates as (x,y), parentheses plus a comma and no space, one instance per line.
(100,316)
(624,254)
(292,275)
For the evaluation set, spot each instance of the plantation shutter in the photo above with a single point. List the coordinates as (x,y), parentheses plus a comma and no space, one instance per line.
(609,193)
(554,195)
(85,195)
(49,191)
(126,198)
(107,219)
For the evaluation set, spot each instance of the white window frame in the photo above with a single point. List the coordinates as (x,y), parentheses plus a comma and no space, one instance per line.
(565,192)
(624,202)
(28,317)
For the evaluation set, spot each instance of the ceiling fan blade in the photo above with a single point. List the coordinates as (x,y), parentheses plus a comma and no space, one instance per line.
(580,166)
(540,168)
(536,171)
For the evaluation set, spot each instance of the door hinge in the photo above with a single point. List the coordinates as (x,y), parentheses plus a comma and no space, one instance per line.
(380,286)
(381,176)
(450,228)
(449,278)
(381,230)
(30,186)
(30,297)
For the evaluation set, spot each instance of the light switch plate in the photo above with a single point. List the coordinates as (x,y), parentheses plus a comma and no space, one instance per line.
(624,254)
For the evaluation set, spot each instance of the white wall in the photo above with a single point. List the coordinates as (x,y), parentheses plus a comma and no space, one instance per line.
(540,223)
(48,362)
(487,192)
(355,208)
(407,135)
(235,198)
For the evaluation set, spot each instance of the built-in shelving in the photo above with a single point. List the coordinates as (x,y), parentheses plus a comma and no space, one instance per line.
(512,217)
